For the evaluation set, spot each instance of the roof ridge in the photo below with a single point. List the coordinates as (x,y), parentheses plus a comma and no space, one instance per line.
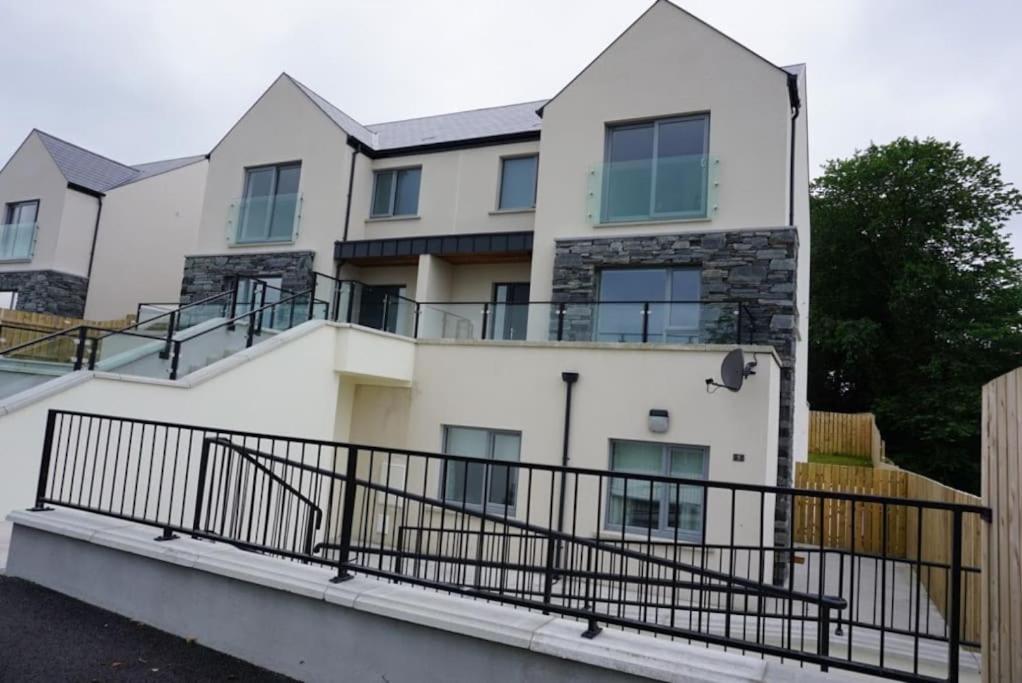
(452,113)
(84,149)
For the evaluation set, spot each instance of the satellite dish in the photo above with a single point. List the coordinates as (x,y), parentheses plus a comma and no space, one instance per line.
(733,371)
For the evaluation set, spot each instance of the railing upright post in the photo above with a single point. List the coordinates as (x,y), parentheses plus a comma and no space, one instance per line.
(351,303)
(645,322)
(347,516)
(741,314)
(80,351)
(175,358)
(312,300)
(548,580)
(418,312)
(486,319)
(955,616)
(386,313)
(201,485)
(233,303)
(93,350)
(560,322)
(262,305)
(823,633)
(44,463)
(170,335)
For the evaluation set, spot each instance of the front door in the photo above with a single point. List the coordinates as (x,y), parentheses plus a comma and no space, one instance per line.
(510,315)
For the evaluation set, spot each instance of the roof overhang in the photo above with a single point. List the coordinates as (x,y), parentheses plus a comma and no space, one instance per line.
(471,248)
(429,148)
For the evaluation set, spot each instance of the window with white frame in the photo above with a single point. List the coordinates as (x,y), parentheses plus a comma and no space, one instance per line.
(659,507)
(396,192)
(8,298)
(518,182)
(478,485)
(656,169)
(269,206)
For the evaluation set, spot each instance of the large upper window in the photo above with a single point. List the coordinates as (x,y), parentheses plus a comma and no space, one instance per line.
(269,205)
(17,232)
(664,508)
(518,182)
(656,170)
(396,192)
(670,295)
(472,484)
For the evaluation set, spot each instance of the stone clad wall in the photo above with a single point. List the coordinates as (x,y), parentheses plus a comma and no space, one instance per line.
(205,276)
(756,267)
(47,291)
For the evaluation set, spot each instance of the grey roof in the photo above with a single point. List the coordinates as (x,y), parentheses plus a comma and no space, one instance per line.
(85,168)
(462,125)
(348,124)
(149,169)
(98,173)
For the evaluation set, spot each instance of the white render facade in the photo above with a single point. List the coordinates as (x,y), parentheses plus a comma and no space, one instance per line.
(627,232)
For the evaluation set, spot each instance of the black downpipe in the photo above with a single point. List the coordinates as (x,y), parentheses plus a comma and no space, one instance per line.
(351,184)
(796,107)
(95,236)
(569,379)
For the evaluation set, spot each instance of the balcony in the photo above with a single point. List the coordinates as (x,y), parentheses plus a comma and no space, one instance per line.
(264,220)
(17,241)
(671,189)
(647,322)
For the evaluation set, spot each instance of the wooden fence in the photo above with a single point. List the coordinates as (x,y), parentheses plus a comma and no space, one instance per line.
(846,434)
(1002,542)
(21,327)
(832,522)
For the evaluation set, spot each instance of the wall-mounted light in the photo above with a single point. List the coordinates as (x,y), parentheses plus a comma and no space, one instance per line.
(659,421)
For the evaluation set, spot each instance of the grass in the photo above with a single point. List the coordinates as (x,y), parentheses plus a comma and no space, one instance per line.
(840,459)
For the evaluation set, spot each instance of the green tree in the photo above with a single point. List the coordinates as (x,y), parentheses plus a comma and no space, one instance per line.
(916,297)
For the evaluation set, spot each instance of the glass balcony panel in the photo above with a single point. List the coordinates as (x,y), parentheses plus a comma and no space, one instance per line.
(17,241)
(451,321)
(676,187)
(270,218)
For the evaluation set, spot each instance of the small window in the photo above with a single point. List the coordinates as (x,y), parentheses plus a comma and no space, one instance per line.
(641,506)
(269,205)
(396,192)
(656,170)
(9,298)
(518,182)
(476,485)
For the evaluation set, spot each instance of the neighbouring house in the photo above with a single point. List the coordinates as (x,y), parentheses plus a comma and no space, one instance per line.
(84,235)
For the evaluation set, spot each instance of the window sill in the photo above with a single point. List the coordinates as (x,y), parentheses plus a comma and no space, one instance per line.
(267,243)
(501,212)
(609,534)
(653,221)
(390,219)
(4,261)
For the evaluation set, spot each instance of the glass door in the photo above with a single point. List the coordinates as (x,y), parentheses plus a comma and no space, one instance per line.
(510,315)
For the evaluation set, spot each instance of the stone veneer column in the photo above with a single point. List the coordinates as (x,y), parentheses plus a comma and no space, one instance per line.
(47,291)
(757,267)
(205,276)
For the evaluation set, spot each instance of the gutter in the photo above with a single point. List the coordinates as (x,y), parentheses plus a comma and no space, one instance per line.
(95,228)
(569,379)
(796,107)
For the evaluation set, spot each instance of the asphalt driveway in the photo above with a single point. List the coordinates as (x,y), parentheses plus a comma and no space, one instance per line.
(46,636)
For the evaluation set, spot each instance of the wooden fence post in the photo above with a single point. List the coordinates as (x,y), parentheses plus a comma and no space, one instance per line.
(1002,538)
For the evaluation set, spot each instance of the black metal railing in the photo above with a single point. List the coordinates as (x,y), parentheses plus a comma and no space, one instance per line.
(702,321)
(490,529)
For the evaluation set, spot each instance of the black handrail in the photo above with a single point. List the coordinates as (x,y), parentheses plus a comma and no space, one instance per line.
(267,500)
(174,312)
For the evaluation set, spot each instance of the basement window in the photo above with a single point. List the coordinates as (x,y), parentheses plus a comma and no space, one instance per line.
(640,506)
(476,485)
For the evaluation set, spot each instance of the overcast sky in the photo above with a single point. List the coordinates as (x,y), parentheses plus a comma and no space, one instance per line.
(141,80)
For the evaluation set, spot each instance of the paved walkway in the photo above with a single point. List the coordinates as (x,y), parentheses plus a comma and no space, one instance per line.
(46,636)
